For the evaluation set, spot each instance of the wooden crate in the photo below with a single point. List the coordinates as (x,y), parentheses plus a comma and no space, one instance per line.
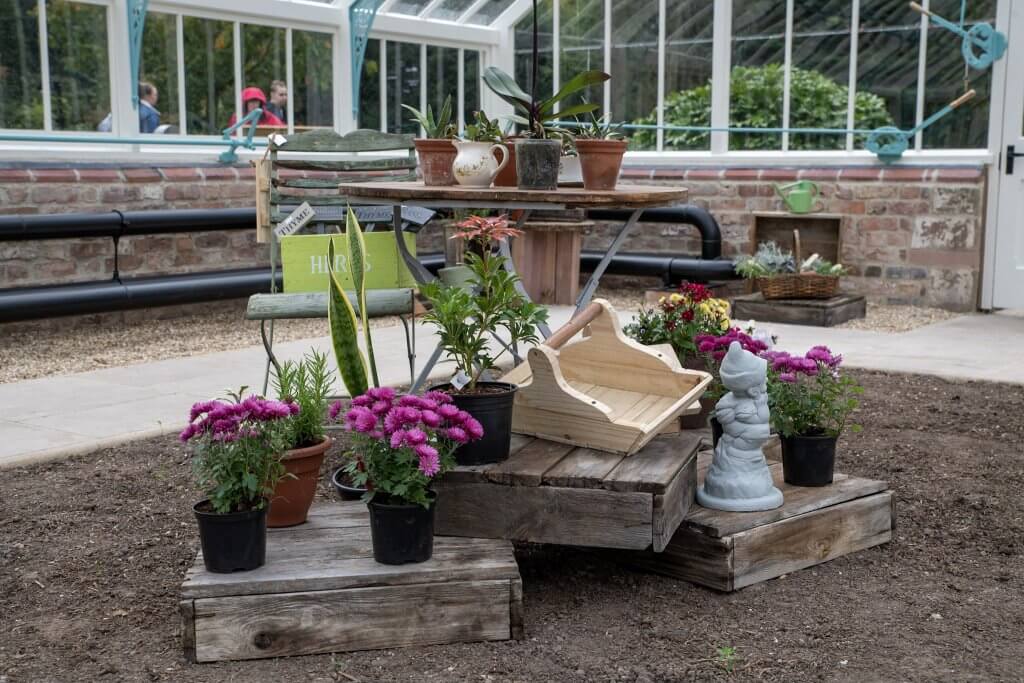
(321,591)
(548,259)
(819,232)
(732,550)
(817,312)
(549,492)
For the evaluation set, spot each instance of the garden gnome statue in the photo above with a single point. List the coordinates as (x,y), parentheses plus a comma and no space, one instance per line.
(738,479)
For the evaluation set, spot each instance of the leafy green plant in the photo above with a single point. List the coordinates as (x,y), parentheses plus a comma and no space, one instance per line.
(341,315)
(600,129)
(755,100)
(727,658)
(769,259)
(440,128)
(816,264)
(484,129)
(536,114)
(465,320)
(308,383)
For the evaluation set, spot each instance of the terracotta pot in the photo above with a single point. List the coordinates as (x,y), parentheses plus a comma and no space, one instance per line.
(601,161)
(292,497)
(436,159)
(507,176)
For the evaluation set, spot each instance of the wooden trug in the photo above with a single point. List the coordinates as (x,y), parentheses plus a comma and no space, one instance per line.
(321,591)
(549,492)
(604,391)
(731,550)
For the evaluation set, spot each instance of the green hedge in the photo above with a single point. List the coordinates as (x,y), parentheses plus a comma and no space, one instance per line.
(816,101)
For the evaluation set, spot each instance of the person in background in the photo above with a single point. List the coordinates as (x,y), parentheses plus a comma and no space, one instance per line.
(251,99)
(149,116)
(278,99)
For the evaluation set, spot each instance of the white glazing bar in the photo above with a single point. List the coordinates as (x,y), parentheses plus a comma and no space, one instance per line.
(922,62)
(471,10)
(423,80)
(382,79)
(787,71)
(556,46)
(607,104)
(851,98)
(721,68)
(44,66)
(343,117)
(239,105)
(289,79)
(179,39)
(662,14)
(462,89)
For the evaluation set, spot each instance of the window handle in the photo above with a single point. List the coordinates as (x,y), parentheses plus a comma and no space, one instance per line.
(1011,154)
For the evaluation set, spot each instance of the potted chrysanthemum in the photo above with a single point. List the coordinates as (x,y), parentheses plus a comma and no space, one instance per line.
(237,447)
(811,401)
(400,444)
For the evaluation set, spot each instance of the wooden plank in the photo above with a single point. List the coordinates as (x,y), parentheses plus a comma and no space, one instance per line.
(691,556)
(379,302)
(818,312)
(654,467)
(362,140)
(343,166)
(527,467)
(186,611)
(775,549)
(567,267)
(670,508)
(545,514)
(517,625)
(255,627)
(263,226)
(480,473)
(622,401)
(582,468)
(637,196)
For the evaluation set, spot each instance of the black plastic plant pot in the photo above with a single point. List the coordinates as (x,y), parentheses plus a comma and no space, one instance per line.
(537,163)
(402,532)
(234,541)
(344,488)
(491,405)
(808,460)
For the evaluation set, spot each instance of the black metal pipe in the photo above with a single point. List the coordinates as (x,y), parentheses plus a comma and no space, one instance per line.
(116,224)
(710,233)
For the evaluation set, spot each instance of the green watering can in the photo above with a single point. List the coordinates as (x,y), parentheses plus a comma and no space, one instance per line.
(799,196)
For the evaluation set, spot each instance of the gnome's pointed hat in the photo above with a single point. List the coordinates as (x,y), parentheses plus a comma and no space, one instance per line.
(741,369)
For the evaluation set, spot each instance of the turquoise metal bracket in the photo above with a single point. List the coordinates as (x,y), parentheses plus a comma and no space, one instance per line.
(361,14)
(136,25)
(229,156)
(990,43)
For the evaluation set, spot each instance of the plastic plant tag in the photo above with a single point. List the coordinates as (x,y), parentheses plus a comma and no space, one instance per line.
(295,220)
(278,139)
(459,380)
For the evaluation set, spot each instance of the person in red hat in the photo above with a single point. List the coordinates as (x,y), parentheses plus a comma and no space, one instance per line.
(251,98)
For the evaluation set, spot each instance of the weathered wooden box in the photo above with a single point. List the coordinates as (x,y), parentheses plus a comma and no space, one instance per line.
(321,591)
(549,492)
(817,312)
(731,550)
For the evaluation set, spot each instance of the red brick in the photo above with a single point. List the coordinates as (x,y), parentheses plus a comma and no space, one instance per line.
(121,193)
(742,173)
(98,175)
(779,174)
(704,174)
(219,173)
(637,173)
(670,173)
(142,175)
(177,192)
(53,195)
(14,175)
(861,174)
(55,175)
(176,174)
(958,174)
(903,174)
(246,172)
(819,174)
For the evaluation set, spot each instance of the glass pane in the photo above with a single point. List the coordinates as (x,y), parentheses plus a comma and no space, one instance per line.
(209,75)
(79,69)
(524,51)
(756,81)
(21,81)
(688,29)
(264,70)
(582,43)
(313,94)
(450,10)
(403,86)
(887,62)
(369,87)
(408,6)
(634,62)
(471,89)
(443,78)
(967,127)
(489,11)
(158,68)
(819,80)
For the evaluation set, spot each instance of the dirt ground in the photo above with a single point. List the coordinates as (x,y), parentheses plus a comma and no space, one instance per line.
(93,549)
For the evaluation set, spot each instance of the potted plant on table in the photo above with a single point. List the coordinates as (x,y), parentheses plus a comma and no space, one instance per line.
(601,146)
(811,401)
(467,319)
(537,156)
(402,443)
(307,383)
(435,149)
(237,461)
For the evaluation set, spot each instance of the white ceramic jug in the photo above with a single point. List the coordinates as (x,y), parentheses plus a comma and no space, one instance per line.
(476,164)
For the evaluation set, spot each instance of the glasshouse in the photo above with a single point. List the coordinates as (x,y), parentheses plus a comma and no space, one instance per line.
(495,340)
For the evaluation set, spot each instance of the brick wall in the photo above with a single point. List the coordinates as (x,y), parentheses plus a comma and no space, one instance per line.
(909,235)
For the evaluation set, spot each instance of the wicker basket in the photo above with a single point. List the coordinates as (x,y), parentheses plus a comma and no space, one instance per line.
(799,286)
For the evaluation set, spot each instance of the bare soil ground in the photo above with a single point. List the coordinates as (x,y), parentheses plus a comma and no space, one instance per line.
(93,549)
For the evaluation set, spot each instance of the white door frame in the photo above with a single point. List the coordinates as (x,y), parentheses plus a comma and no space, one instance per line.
(1004,76)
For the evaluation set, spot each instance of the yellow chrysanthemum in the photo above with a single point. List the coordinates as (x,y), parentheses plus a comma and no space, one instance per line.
(726,324)
(676,298)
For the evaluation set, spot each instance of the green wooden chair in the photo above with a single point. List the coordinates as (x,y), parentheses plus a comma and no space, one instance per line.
(280,194)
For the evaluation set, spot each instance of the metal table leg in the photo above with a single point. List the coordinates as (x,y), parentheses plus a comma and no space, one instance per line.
(419,272)
(587,293)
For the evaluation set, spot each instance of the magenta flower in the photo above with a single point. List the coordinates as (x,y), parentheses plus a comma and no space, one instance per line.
(438,397)
(410,401)
(380,407)
(361,419)
(457,434)
(398,439)
(430,461)
(333,411)
(381,394)
(430,418)
(408,415)
(788,377)
(362,400)
(447,411)
(415,436)
(475,429)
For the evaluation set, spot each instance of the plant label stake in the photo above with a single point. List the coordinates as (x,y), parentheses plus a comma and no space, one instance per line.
(295,220)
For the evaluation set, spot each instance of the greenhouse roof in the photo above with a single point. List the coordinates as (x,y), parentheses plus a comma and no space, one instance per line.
(491,13)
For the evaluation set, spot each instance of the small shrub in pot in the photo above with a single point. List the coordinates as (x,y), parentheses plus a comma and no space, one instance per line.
(435,149)
(601,146)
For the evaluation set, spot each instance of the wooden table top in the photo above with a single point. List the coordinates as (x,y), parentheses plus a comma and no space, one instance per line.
(625,196)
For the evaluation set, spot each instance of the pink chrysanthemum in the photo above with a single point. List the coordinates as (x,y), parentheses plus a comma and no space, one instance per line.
(430,418)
